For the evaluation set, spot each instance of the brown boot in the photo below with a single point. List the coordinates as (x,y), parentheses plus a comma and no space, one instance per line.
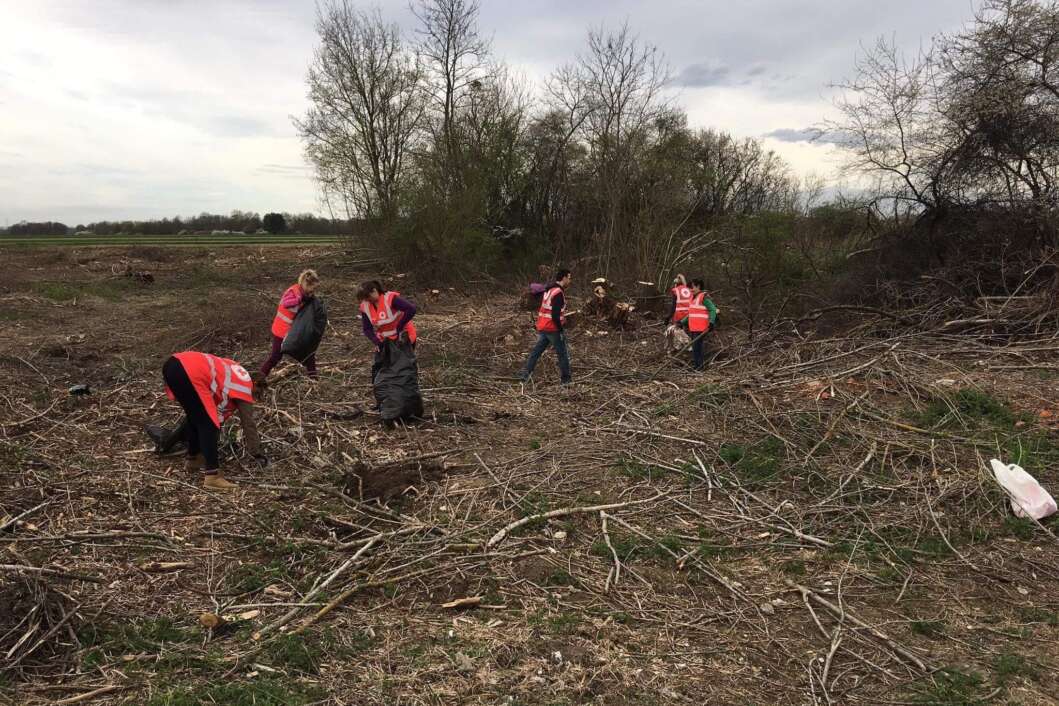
(216,481)
(194,464)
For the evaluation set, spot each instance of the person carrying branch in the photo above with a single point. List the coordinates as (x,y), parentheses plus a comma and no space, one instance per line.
(551,320)
(294,298)
(702,314)
(211,389)
(385,316)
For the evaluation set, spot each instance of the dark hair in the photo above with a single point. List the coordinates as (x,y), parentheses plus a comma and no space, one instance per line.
(697,282)
(560,273)
(366,287)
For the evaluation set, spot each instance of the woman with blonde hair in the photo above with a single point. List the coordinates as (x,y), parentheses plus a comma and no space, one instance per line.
(294,298)
(679,300)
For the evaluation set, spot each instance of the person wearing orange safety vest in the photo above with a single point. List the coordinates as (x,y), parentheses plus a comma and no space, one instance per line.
(680,298)
(211,389)
(702,314)
(296,296)
(385,316)
(551,319)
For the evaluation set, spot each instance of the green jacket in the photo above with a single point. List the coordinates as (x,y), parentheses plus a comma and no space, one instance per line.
(712,308)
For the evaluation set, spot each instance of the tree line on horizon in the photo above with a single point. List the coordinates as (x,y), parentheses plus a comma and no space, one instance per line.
(247,222)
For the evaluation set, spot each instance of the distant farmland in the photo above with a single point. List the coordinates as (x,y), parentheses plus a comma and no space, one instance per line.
(201,240)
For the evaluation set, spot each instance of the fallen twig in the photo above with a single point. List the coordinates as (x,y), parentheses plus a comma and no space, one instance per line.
(562,512)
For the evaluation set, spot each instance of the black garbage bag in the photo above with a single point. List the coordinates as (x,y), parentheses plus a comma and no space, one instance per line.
(168,440)
(396,382)
(307,331)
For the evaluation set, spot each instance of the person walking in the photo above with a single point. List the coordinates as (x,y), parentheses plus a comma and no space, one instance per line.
(211,389)
(701,316)
(385,316)
(551,320)
(294,298)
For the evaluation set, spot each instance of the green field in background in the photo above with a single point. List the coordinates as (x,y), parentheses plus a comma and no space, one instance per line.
(165,240)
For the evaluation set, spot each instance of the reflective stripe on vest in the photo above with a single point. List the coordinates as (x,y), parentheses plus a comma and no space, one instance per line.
(683,299)
(698,314)
(285,317)
(544,313)
(384,318)
(222,393)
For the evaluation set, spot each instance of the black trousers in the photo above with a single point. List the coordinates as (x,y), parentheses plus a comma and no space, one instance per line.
(202,433)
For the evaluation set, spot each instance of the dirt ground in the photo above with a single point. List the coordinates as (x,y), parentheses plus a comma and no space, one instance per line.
(810,521)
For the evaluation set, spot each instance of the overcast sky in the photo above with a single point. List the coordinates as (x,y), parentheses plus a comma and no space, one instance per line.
(114,109)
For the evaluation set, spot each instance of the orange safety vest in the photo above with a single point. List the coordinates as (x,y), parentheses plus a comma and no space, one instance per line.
(385,319)
(683,297)
(219,382)
(285,317)
(544,313)
(698,314)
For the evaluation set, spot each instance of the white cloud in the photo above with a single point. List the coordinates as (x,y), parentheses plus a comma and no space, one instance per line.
(140,108)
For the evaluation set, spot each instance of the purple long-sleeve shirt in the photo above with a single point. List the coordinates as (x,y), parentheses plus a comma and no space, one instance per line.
(291,298)
(402,305)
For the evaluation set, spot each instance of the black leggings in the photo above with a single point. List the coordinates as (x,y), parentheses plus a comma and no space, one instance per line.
(202,433)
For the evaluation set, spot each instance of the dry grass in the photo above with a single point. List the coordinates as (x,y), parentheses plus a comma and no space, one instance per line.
(790,476)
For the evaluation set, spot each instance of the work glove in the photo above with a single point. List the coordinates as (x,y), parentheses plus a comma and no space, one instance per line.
(403,338)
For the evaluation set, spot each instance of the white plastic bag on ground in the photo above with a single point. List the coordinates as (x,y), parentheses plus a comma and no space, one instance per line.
(1028,498)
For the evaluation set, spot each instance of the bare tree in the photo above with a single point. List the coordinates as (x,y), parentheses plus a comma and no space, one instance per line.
(1002,99)
(970,125)
(366,90)
(454,55)
(890,127)
(622,80)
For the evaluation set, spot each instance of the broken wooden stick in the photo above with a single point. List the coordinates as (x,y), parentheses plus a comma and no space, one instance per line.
(16,518)
(614,574)
(293,612)
(91,694)
(19,568)
(844,613)
(562,512)
(341,598)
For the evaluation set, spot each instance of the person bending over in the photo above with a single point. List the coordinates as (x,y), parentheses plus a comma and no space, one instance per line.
(211,389)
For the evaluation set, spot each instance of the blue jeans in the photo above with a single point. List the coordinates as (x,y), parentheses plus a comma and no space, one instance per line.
(698,350)
(558,341)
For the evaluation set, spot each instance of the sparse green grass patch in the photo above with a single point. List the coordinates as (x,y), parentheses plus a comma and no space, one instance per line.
(109,289)
(949,687)
(1033,451)
(969,406)
(564,623)
(631,468)
(754,464)
(1020,527)
(1039,615)
(928,628)
(250,576)
(1009,666)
